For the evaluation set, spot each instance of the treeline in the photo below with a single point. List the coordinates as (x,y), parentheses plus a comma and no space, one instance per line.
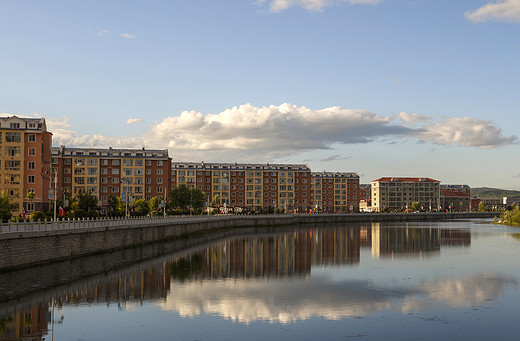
(182,200)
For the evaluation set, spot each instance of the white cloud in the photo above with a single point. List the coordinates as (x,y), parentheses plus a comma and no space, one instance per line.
(127,35)
(467,132)
(310,5)
(500,10)
(412,119)
(103,32)
(134,120)
(259,134)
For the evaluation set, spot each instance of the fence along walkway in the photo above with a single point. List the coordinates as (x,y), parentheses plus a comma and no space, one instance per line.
(86,224)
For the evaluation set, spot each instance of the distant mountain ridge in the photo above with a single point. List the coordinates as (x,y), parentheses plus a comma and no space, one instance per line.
(487,192)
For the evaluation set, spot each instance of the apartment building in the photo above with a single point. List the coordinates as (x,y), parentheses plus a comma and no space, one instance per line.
(25,161)
(128,173)
(245,186)
(455,197)
(335,192)
(398,194)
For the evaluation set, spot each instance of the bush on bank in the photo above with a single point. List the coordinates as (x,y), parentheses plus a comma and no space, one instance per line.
(511,217)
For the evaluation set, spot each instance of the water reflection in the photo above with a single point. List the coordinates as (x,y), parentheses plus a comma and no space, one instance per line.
(284,277)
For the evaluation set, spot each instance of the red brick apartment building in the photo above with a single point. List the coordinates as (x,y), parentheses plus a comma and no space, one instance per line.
(250,187)
(335,192)
(136,173)
(25,162)
(455,197)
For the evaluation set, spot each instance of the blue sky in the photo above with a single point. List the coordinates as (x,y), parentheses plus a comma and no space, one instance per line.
(380,87)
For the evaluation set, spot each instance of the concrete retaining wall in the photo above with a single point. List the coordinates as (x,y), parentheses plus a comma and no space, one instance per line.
(21,250)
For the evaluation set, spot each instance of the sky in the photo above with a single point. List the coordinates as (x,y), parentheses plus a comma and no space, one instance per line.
(425,88)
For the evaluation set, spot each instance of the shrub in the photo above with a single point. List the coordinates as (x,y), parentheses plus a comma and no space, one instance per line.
(37,216)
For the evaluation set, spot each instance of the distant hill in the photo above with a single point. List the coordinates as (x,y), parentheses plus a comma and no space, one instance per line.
(486,192)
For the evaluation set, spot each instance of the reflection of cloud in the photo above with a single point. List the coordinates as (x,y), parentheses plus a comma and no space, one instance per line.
(500,10)
(299,299)
(279,301)
(463,292)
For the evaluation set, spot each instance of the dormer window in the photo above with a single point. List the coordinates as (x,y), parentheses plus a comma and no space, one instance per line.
(14,125)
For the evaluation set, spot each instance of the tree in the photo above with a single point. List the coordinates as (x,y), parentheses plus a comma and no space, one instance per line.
(416,206)
(114,205)
(5,207)
(154,203)
(182,197)
(141,208)
(216,199)
(481,207)
(87,201)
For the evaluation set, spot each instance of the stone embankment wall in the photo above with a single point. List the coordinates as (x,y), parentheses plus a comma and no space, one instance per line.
(21,250)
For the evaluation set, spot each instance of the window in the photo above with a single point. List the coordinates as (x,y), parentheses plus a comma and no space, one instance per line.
(67,162)
(128,162)
(159,189)
(92,162)
(148,172)
(32,137)
(31,179)
(159,181)
(14,125)
(115,180)
(104,180)
(159,172)
(32,152)
(139,163)
(31,165)
(66,180)
(115,162)
(104,171)
(148,163)
(115,189)
(104,162)
(66,171)
(115,170)
(159,163)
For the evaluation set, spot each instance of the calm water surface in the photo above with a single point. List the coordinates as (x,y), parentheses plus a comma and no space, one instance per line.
(423,281)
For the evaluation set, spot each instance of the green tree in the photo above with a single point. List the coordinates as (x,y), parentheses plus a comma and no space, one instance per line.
(216,199)
(481,207)
(114,206)
(416,206)
(154,203)
(5,207)
(141,208)
(183,197)
(87,201)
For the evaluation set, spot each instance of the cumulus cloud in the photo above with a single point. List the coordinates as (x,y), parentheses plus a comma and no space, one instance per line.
(412,119)
(467,132)
(134,120)
(500,10)
(310,5)
(250,133)
(127,35)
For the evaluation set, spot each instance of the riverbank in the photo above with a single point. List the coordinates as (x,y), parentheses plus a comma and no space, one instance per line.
(41,246)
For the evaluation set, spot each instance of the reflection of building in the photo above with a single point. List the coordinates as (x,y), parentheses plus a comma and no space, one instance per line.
(455,197)
(335,191)
(25,158)
(399,193)
(255,187)
(136,173)
(273,256)
(455,237)
(404,241)
(29,324)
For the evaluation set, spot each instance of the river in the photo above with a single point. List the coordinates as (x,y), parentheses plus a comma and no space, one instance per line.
(450,280)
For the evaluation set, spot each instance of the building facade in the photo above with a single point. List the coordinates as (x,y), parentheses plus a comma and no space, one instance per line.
(249,187)
(335,192)
(132,174)
(25,163)
(455,198)
(398,194)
